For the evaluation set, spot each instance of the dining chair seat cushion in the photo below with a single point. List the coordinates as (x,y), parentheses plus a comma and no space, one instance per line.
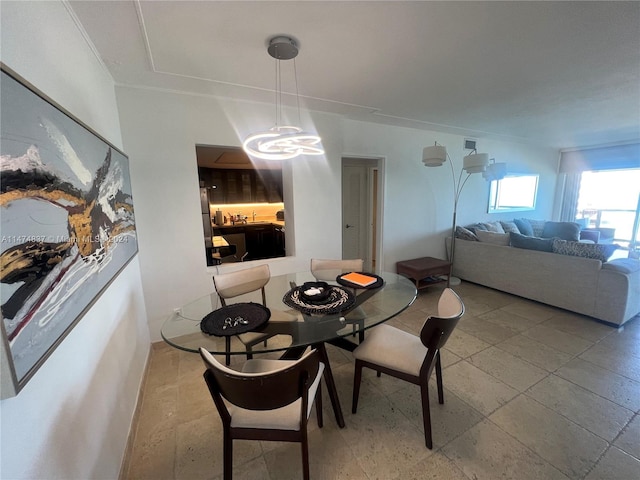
(284,418)
(391,347)
(251,338)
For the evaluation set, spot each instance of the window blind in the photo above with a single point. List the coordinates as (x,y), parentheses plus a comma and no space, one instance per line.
(614,157)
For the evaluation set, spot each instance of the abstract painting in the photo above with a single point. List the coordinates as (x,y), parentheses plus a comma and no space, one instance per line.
(67,224)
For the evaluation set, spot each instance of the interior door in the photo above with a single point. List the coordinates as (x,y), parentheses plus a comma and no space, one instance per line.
(354,212)
(362,207)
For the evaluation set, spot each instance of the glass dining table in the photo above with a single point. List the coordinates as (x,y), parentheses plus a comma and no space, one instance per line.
(292,327)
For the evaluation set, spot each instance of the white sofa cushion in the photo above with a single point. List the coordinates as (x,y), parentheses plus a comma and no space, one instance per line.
(493,237)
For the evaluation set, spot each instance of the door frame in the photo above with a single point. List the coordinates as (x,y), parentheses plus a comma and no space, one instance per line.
(375,208)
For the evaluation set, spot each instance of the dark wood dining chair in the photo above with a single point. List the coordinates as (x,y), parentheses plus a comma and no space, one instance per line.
(402,355)
(241,282)
(268,400)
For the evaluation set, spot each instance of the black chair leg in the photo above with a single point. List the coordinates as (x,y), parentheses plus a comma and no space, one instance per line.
(305,457)
(319,405)
(227,345)
(426,415)
(439,379)
(357,377)
(228,457)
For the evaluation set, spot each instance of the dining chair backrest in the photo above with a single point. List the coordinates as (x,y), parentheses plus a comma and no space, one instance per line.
(328,269)
(233,284)
(265,390)
(437,329)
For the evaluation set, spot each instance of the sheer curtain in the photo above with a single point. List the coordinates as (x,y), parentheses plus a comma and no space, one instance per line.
(574,162)
(569,208)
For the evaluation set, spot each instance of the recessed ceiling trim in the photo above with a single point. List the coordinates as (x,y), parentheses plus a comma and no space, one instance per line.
(154,69)
(369,109)
(86,37)
(450,127)
(145,35)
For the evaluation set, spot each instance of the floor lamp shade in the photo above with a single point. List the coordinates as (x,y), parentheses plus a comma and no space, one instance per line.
(434,156)
(475,163)
(495,171)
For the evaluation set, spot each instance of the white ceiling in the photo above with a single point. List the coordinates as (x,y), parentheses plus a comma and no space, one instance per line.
(561,74)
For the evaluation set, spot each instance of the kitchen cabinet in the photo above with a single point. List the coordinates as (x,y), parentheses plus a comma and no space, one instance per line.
(242,185)
(260,240)
(268,186)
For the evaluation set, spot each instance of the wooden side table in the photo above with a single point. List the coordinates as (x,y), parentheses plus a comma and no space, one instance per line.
(425,271)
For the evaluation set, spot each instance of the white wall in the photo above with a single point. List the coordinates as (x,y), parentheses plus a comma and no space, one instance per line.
(419,202)
(73,417)
(161,129)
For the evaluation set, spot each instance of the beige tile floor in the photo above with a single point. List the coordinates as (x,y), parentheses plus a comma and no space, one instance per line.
(531,392)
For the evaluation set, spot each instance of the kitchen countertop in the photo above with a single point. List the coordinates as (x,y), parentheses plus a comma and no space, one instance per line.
(257,223)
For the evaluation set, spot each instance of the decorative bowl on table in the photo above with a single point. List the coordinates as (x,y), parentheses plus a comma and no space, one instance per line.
(315,291)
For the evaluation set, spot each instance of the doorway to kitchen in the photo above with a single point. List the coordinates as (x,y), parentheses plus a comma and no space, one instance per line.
(362,200)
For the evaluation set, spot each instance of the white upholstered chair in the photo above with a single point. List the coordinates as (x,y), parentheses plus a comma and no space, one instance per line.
(233,284)
(267,400)
(327,270)
(408,357)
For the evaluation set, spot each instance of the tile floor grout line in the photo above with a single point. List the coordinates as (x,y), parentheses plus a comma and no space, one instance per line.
(531,450)
(386,399)
(571,420)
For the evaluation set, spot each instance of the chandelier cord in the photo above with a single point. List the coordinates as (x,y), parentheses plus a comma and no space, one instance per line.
(295,76)
(278,93)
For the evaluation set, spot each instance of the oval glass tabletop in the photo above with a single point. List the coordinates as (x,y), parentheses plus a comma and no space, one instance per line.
(291,327)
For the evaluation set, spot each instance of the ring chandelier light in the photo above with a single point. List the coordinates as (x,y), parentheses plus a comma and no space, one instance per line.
(282,142)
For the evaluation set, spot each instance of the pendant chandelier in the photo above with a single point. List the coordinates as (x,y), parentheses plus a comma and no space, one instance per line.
(282,142)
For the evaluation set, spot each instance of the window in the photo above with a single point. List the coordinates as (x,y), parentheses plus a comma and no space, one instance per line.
(611,199)
(513,193)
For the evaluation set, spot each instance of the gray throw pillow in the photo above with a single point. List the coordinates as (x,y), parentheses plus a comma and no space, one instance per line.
(465,234)
(475,227)
(597,251)
(537,226)
(494,227)
(510,227)
(531,243)
(524,226)
(564,230)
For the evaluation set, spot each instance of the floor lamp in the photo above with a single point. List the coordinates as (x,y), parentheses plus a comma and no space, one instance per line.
(436,156)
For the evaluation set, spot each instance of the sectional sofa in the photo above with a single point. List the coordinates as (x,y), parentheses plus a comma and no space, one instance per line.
(605,290)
